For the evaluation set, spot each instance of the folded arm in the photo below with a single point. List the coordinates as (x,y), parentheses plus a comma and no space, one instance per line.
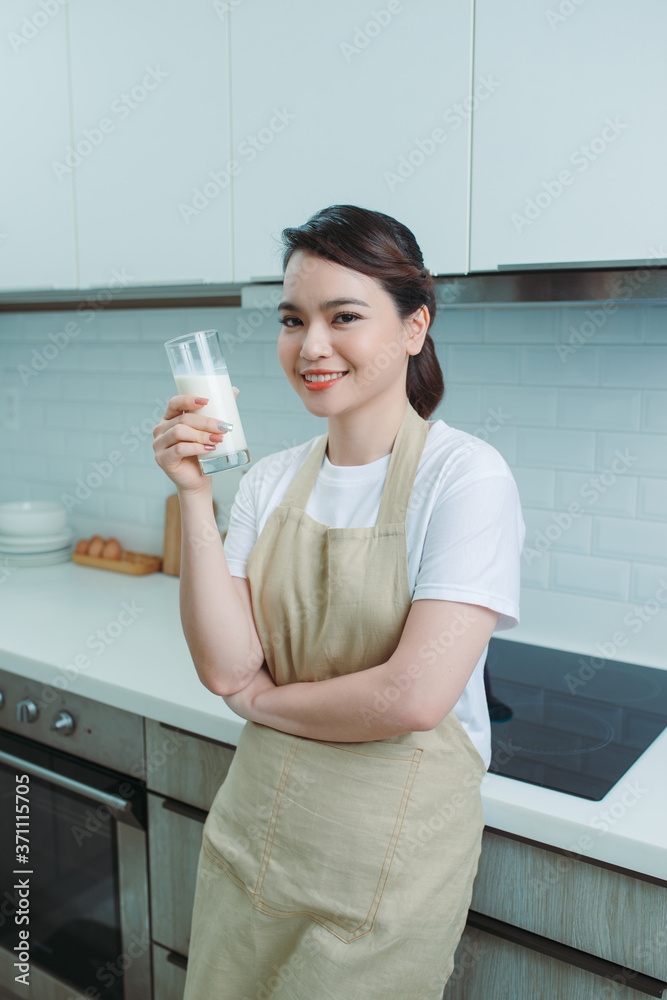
(441,644)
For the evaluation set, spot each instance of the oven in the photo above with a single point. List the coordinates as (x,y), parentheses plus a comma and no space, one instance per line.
(74,916)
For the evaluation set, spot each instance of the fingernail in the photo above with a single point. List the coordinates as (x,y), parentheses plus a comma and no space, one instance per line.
(225,426)
(237,389)
(201,399)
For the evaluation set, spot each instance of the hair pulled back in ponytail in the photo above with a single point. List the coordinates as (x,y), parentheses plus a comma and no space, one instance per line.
(379,246)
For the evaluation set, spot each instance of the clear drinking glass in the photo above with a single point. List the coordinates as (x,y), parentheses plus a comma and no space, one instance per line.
(199,367)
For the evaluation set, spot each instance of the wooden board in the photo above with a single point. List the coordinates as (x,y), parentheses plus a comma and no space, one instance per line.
(129,562)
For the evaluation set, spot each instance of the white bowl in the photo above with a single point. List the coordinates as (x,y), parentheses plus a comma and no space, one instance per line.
(32,517)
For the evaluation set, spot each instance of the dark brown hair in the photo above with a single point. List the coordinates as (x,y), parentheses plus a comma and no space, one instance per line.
(382,248)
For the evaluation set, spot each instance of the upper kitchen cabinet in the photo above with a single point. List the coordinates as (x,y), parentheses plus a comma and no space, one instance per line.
(149,143)
(36,223)
(568,158)
(350,103)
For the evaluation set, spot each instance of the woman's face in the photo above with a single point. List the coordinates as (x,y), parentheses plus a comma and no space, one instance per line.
(338,320)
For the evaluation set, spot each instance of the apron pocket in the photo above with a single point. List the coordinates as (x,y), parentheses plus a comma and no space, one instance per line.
(311,827)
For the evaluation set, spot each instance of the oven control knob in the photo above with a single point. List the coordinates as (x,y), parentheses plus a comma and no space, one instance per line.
(26,711)
(63,723)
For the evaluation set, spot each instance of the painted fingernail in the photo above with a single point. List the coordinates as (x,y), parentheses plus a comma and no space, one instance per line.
(201,399)
(237,389)
(225,426)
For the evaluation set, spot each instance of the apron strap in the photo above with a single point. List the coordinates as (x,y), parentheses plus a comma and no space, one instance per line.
(403,464)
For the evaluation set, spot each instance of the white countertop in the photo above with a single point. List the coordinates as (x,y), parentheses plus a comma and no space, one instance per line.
(125,634)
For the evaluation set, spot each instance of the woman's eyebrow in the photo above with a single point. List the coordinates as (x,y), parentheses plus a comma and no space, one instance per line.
(331,304)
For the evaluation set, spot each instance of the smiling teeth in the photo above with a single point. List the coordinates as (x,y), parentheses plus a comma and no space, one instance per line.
(323,378)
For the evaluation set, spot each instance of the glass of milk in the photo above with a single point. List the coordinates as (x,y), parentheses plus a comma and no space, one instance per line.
(200,369)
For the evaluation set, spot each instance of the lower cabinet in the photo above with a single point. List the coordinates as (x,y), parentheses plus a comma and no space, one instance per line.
(546,926)
(490,968)
(168,974)
(183,775)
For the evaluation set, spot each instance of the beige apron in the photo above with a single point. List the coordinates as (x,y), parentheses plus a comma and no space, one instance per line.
(328,870)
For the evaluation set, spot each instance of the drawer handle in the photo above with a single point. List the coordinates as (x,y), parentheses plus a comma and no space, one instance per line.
(178,960)
(571,956)
(182,810)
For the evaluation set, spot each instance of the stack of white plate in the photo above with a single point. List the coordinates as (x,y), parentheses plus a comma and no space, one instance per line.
(34,533)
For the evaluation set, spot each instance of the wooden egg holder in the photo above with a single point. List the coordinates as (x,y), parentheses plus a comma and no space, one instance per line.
(129,562)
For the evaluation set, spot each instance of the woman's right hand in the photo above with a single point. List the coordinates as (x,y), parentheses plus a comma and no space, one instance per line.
(180,437)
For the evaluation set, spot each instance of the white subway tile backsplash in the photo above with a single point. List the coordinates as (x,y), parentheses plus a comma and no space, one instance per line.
(481,364)
(654,415)
(452,326)
(652,499)
(630,539)
(125,507)
(554,366)
(603,409)
(656,324)
(460,402)
(525,326)
(536,486)
(555,448)
(602,323)
(604,578)
(573,397)
(522,405)
(595,491)
(641,454)
(648,583)
(642,367)
(557,531)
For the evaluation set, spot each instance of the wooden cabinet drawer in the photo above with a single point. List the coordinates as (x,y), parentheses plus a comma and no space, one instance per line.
(174,842)
(184,766)
(487,966)
(594,909)
(168,974)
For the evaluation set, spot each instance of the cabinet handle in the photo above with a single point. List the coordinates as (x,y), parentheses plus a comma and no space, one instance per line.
(182,810)
(180,961)
(571,956)
(196,736)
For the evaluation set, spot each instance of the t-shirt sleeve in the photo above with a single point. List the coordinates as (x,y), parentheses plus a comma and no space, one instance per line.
(473,543)
(242,529)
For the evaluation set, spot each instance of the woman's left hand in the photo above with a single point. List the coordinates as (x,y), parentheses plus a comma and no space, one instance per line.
(242,701)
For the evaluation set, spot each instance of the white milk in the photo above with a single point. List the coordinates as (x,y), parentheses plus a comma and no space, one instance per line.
(221,405)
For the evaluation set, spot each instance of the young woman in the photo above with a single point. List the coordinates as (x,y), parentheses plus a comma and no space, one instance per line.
(377,559)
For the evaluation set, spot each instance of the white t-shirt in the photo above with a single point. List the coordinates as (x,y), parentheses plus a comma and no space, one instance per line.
(464,526)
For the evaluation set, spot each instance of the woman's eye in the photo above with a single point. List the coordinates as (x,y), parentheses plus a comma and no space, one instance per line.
(285,321)
(350,315)
(291,321)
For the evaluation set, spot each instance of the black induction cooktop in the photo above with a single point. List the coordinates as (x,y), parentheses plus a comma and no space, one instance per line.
(567,721)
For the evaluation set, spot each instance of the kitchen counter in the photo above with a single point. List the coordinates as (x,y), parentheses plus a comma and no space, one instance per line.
(117,638)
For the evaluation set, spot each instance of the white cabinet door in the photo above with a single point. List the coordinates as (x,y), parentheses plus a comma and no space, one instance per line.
(36,214)
(150,133)
(349,103)
(568,165)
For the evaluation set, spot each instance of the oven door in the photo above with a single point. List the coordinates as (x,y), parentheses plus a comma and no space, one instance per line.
(73,870)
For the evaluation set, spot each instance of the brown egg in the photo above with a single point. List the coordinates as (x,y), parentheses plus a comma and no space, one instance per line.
(112,549)
(96,546)
(82,546)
